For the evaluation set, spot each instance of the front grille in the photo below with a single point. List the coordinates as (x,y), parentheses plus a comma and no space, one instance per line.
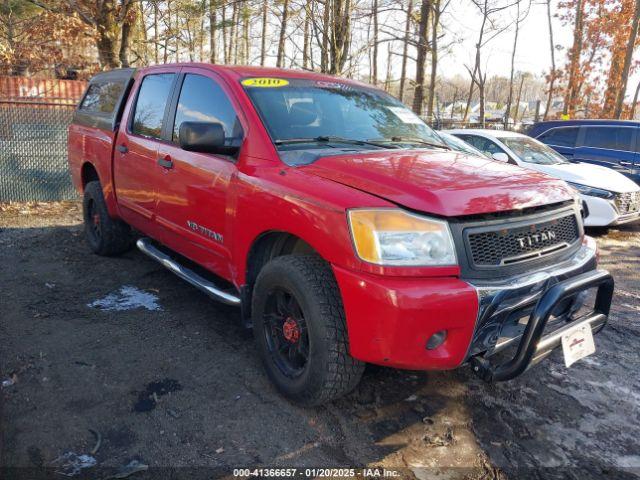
(628,202)
(507,245)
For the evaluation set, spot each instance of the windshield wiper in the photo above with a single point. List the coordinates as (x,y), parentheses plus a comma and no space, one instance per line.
(329,139)
(411,140)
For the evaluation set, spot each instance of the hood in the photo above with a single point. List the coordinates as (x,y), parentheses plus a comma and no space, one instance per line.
(442,183)
(591,175)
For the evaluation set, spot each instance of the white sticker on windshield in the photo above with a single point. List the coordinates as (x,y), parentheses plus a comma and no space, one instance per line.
(406,115)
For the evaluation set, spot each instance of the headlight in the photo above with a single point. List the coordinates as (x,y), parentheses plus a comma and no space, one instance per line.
(592,191)
(395,237)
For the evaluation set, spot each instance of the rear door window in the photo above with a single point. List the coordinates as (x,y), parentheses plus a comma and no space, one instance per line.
(151,104)
(102,97)
(560,137)
(609,138)
(203,100)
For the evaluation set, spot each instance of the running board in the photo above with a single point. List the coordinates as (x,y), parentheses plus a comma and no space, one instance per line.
(146,246)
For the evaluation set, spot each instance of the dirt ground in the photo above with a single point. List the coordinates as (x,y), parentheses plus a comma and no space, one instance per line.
(117,359)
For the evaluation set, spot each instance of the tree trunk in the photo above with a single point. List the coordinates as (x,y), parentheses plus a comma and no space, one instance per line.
(453,104)
(405,48)
(374,58)
(156,40)
(469,98)
(341,36)
(387,82)
(574,64)
(553,73)
(423,47)
(434,57)
(143,32)
(283,34)
(245,34)
(128,24)
(306,38)
(515,114)
(263,38)
(482,98)
(507,111)
(631,44)
(237,7)
(326,30)
(213,20)
(634,104)
(108,29)
(232,32)
(225,49)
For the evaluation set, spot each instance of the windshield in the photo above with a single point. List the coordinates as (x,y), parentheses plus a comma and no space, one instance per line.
(531,151)
(459,145)
(322,111)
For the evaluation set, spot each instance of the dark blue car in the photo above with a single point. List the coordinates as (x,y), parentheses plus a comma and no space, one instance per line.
(612,143)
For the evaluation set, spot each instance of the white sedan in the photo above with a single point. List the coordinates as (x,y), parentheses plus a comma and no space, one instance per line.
(609,197)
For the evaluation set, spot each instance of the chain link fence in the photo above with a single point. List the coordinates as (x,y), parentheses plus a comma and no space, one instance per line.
(33,152)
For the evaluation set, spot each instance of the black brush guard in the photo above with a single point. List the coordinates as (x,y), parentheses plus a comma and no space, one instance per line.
(533,346)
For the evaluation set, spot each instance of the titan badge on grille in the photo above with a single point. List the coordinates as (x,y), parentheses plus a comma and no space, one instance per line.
(505,245)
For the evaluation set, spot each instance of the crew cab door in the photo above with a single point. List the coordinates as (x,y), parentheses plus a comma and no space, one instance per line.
(136,171)
(193,196)
(610,146)
(562,140)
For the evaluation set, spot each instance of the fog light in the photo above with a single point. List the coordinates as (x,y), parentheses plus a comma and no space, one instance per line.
(436,340)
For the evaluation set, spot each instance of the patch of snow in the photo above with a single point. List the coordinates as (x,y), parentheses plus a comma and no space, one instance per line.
(127,298)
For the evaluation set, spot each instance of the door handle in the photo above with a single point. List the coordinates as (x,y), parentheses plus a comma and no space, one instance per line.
(625,164)
(165,162)
(122,148)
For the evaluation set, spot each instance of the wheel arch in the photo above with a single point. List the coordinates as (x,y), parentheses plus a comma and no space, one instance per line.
(88,173)
(265,247)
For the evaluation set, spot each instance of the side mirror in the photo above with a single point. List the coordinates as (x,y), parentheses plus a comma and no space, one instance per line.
(205,137)
(500,157)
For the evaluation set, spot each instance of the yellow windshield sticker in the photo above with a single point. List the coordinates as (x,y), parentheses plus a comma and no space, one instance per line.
(265,82)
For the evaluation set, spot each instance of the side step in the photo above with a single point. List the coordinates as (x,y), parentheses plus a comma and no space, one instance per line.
(146,246)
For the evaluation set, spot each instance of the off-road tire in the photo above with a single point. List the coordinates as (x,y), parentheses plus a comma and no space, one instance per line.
(113,236)
(330,372)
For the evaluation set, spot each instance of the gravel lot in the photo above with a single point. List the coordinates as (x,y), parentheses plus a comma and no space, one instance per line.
(174,383)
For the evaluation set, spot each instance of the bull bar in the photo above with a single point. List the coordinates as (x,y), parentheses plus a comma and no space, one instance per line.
(533,346)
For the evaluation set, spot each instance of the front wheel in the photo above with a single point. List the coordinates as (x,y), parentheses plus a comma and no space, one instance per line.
(300,331)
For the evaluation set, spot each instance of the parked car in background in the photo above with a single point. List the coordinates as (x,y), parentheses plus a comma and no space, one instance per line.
(611,143)
(459,145)
(609,197)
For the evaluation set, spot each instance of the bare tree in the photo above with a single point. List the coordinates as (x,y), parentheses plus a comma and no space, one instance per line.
(631,45)
(213,20)
(306,37)
(421,58)
(263,38)
(405,49)
(374,60)
(283,34)
(438,9)
(634,103)
(553,74)
(519,20)
(489,29)
(571,92)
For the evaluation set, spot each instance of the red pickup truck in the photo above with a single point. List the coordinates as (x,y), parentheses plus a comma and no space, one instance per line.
(339,223)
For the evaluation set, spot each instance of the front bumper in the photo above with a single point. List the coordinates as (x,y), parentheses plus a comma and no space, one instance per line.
(391,319)
(603,213)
